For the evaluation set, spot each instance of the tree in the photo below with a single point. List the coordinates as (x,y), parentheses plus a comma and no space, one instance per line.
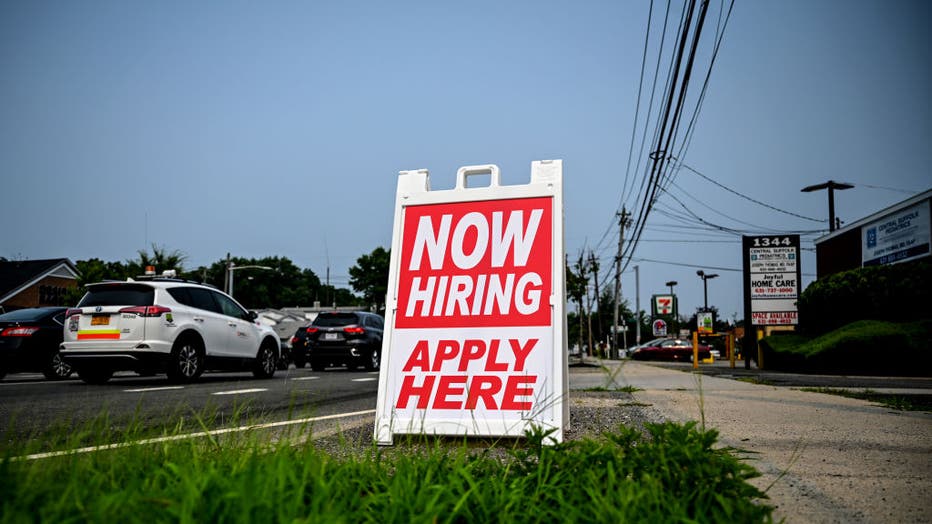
(370,277)
(576,283)
(284,285)
(161,259)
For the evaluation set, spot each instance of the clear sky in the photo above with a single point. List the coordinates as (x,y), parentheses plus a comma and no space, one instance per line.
(278,128)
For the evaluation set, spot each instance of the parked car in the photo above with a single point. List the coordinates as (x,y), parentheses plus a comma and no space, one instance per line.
(671,349)
(29,340)
(164,325)
(340,338)
(634,349)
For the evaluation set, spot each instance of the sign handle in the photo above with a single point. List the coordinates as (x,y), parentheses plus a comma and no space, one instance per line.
(487,169)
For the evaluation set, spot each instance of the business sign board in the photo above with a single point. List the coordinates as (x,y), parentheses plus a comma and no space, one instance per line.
(475,320)
(660,327)
(772,276)
(897,237)
(664,304)
(704,322)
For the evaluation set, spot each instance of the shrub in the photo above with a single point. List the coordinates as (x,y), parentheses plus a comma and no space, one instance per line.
(897,293)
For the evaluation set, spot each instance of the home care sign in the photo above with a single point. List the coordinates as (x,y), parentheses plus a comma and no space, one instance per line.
(475,314)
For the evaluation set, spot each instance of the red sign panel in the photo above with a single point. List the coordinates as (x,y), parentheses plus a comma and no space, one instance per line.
(476,264)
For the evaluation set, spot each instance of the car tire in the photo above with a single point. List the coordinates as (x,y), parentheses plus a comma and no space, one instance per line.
(187,360)
(318,365)
(266,362)
(57,369)
(95,376)
(372,364)
(299,362)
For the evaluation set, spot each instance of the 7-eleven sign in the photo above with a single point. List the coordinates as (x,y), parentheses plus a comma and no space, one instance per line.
(664,304)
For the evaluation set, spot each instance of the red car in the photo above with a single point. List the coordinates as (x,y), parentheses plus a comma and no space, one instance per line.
(671,349)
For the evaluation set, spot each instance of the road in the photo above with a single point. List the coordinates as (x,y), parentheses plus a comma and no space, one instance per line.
(29,404)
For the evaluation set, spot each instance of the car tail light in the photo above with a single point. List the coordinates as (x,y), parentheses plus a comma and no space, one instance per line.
(20,331)
(146,311)
(294,339)
(72,312)
(310,330)
(354,330)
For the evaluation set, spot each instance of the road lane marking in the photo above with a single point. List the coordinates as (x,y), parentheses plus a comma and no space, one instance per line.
(171,438)
(368,379)
(240,391)
(306,378)
(160,388)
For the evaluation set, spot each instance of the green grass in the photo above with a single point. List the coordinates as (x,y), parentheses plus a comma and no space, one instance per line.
(894,401)
(673,473)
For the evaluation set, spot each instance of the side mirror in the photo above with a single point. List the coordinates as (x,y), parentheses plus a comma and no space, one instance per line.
(253,315)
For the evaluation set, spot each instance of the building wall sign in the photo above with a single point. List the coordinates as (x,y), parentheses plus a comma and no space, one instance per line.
(897,237)
(772,276)
(475,338)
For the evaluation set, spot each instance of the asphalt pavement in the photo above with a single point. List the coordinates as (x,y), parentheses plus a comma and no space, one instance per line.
(823,458)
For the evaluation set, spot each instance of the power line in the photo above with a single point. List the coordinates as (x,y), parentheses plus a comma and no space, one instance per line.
(758,202)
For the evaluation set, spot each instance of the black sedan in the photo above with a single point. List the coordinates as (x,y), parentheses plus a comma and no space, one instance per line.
(29,340)
(671,349)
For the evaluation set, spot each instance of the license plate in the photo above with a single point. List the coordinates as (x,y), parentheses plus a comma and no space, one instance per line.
(100,320)
(330,336)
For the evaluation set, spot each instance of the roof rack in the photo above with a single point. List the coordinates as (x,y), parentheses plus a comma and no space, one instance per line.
(161,278)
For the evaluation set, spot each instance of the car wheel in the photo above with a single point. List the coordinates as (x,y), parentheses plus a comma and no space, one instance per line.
(95,376)
(57,369)
(187,360)
(299,362)
(318,365)
(266,362)
(373,363)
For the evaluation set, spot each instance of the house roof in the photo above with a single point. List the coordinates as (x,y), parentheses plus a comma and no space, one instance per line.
(17,275)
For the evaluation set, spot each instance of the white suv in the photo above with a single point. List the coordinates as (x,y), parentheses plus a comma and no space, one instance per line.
(164,325)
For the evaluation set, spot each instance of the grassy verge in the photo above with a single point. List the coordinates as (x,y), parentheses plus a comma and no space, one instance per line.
(894,401)
(671,473)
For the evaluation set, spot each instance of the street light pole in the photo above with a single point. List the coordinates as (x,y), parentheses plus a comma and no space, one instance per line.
(231,267)
(705,287)
(831,186)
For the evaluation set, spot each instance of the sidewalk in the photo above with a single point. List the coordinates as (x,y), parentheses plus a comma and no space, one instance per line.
(828,458)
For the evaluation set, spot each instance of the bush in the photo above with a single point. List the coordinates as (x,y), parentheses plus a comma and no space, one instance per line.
(866,346)
(896,293)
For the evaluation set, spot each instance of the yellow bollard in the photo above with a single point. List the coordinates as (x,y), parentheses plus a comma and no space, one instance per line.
(695,350)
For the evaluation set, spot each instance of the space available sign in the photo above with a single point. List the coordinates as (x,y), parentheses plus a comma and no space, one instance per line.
(897,237)
(475,336)
(772,276)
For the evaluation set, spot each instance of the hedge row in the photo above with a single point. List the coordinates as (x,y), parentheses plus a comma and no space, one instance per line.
(863,347)
(896,293)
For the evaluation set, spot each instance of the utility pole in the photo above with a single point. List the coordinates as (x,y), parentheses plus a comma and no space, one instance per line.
(637,305)
(622,224)
(594,264)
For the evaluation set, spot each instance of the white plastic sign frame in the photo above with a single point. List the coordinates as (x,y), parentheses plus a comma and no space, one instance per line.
(475,324)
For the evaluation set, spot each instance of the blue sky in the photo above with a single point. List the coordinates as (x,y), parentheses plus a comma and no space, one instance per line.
(278,128)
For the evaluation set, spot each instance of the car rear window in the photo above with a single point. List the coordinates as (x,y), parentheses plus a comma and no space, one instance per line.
(23,315)
(335,319)
(118,295)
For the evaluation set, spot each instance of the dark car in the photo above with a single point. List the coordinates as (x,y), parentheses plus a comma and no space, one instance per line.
(340,338)
(671,349)
(29,340)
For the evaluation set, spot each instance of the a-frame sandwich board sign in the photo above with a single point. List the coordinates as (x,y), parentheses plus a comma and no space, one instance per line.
(475,325)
